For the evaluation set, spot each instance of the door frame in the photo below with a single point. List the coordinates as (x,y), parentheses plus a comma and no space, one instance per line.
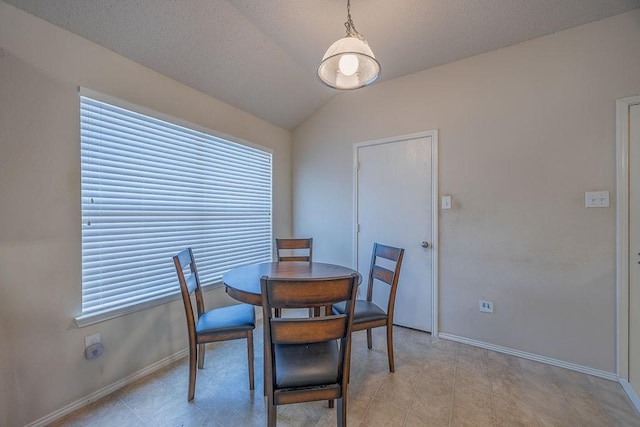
(434,211)
(622,243)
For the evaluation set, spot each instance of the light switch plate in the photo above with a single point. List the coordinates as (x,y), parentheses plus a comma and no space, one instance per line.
(446,202)
(596,199)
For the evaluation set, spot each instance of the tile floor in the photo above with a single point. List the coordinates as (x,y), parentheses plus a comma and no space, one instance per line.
(436,383)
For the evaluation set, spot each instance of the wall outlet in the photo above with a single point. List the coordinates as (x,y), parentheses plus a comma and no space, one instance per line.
(596,199)
(486,306)
(92,339)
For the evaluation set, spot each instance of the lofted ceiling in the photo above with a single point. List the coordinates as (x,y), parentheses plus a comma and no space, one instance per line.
(261,55)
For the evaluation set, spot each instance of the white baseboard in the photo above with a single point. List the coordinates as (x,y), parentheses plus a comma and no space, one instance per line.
(73,406)
(531,356)
(631,393)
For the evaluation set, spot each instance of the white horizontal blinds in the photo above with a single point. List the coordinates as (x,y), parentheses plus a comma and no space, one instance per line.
(150,189)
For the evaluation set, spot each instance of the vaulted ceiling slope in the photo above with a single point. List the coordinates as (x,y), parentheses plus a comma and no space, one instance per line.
(261,55)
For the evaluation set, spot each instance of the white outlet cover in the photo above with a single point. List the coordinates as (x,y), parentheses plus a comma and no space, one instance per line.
(596,199)
(485,306)
(92,339)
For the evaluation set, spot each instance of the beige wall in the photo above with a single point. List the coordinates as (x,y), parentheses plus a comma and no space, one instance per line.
(524,132)
(42,368)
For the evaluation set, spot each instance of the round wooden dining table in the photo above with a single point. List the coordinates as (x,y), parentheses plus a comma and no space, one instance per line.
(243,283)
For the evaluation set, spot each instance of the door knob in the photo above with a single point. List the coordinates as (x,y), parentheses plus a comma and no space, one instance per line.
(424,244)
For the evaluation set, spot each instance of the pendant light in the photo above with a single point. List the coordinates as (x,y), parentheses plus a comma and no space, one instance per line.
(349,63)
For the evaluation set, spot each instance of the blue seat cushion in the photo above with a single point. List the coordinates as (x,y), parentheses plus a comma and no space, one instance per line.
(300,365)
(234,318)
(364,311)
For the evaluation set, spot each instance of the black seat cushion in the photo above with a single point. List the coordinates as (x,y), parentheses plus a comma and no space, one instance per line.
(364,311)
(234,318)
(306,364)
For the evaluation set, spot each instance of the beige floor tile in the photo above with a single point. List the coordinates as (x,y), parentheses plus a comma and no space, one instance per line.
(478,401)
(397,393)
(357,405)
(146,398)
(419,420)
(498,367)
(507,384)
(303,414)
(472,351)
(471,363)
(533,367)
(383,414)
(438,370)
(429,385)
(510,411)
(472,417)
(553,410)
(433,407)
(474,379)
(512,362)
(178,415)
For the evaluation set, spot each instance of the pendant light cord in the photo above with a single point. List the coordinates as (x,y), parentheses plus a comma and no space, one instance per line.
(351,28)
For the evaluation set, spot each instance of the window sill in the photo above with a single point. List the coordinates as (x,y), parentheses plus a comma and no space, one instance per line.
(101,316)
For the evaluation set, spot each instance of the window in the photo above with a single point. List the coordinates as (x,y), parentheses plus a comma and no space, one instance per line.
(151,188)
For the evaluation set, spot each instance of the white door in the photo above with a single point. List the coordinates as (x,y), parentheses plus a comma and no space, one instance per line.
(394,207)
(634,248)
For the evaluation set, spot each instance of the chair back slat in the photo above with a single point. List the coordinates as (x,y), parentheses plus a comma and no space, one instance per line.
(307,293)
(185,257)
(294,243)
(388,252)
(191,283)
(382,274)
(290,247)
(309,330)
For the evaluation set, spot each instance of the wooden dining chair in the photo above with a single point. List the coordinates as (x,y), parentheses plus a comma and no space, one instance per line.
(295,250)
(367,314)
(220,324)
(307,359)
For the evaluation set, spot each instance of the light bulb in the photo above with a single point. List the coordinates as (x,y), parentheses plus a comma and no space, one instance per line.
(348,64)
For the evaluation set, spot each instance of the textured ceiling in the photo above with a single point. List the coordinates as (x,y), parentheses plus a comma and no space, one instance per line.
(261,55)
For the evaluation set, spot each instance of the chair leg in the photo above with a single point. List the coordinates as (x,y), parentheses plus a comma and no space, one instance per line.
(331,403)
(277,312)
(192,372)
(250,357)
(272,412)
(341,411)
(369,339)
(390,347)
(201,356)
